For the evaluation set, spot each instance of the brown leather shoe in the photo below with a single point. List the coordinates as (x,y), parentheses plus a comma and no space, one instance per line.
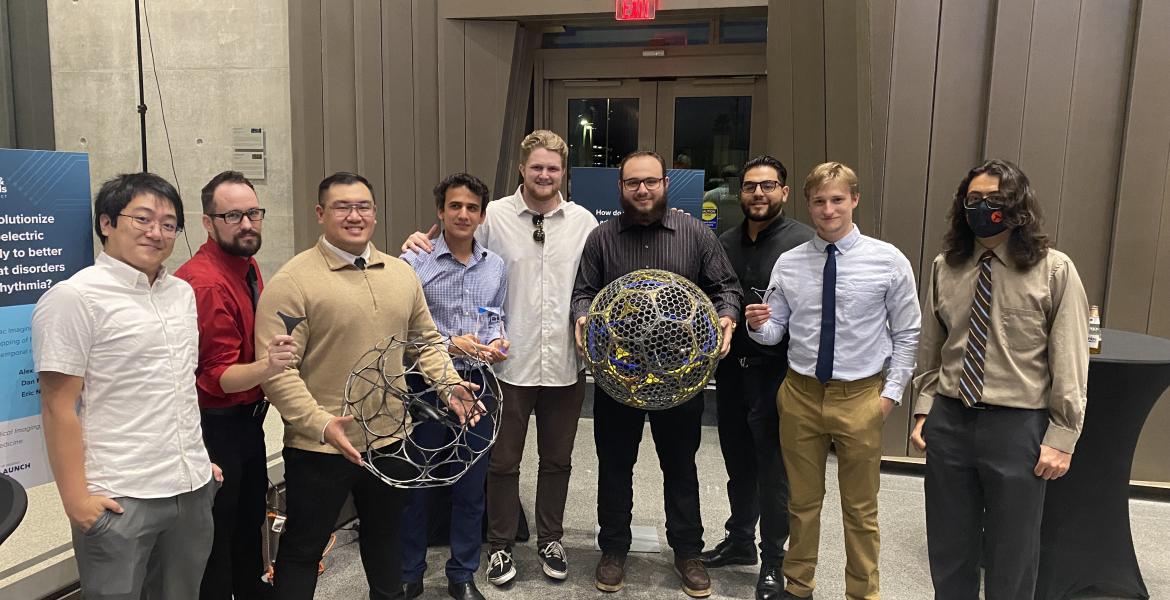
(611,572)
(696,581)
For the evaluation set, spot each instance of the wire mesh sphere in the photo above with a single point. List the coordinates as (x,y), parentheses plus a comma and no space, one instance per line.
(652,339)
(392,398)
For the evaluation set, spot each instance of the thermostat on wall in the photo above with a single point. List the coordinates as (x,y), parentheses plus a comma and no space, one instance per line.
(251,164)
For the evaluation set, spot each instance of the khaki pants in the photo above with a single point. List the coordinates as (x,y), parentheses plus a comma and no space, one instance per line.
(811,416)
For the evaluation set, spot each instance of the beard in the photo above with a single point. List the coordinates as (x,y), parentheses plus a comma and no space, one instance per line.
(654,213)
(241,245)
(771,213)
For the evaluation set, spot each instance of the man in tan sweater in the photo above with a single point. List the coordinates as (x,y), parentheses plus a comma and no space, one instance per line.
(352,296)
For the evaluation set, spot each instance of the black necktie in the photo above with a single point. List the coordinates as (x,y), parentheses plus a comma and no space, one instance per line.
(360,263)
(975,355)
(828,316)
(253,286)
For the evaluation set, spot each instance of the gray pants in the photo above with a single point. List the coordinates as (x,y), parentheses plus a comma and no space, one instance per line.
(155,549)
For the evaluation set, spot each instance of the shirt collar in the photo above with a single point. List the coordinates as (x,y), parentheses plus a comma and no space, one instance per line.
(478,252)
(1001,253)
(844,245)
(338,258)
(521,207)
(126,274)
(233,264)
(669,221)
(764,233)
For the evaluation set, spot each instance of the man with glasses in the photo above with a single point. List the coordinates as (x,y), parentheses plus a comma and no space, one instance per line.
(352,297)
(116,348)
(747,381)
(648,236)
(1001,383)
(539,235)
(227,284)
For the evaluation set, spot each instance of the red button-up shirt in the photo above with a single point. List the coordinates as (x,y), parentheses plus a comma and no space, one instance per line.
(226,320)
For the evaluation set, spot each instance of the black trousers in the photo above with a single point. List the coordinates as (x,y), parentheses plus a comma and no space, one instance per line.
(617,432)
(236,444)
(317,485)
(983,500)
(749,436)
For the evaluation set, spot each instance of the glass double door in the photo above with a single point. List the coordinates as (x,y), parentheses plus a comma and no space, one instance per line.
(709,124)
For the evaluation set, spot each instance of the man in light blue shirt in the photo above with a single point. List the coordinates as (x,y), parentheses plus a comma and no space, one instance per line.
(850,307)
(458,278)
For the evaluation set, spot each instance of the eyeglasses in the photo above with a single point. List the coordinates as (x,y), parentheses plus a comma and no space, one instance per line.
(538,234)
(632,185)
(749,187)
(994,200)
(142,223)
(364,209)
(233,217)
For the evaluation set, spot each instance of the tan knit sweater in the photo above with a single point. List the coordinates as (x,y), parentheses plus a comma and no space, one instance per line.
(348,312)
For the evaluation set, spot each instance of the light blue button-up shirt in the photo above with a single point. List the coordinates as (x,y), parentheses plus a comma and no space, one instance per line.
(878,317)
(455,291)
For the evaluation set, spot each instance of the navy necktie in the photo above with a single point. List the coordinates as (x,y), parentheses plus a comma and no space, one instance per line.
(828,316)
(360,263)
(253,285)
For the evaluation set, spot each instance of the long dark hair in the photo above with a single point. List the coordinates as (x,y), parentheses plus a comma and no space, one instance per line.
(1027,244)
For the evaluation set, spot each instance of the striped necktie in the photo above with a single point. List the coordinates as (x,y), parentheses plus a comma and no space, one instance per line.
(975,356)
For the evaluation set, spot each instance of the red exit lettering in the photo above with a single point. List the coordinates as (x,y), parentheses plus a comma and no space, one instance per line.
(635,10)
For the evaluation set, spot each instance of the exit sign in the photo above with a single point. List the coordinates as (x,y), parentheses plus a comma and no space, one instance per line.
(635,10)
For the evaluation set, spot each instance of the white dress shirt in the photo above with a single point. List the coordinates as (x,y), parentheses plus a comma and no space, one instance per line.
(540,288)
(136,346)
(878,317)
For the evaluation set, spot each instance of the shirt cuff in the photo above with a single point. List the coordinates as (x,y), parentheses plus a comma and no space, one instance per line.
(923,404)
(893,390)
(1061,438)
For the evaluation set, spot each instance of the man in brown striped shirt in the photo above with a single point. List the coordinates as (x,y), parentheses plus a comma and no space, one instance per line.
(648,236)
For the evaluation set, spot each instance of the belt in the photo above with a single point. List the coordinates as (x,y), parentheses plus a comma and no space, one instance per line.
(754,361)
(255,409)
(982,406)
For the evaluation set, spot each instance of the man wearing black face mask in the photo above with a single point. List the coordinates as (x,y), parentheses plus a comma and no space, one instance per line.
(1002,369)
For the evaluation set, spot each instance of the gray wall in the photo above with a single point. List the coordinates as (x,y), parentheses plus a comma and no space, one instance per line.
(26,91)
(220,65)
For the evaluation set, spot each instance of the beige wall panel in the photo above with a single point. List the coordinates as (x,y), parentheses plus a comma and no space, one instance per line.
(337,74)
(779,53)
(1141,193)
(452,98)
(1150,462)
(398,108)
(426,105)
(843,98)
(1047,100)
(308,134)
(1084,225)
(1009,76)
(908,139)
(369,132)
(960,96)
(489,58)
(881,62)
(1160,301)
(808,96)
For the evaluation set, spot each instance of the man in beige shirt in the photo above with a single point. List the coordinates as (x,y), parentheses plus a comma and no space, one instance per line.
(353,297)
(1003,363)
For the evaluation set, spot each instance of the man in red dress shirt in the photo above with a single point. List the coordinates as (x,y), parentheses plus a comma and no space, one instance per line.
(227,284)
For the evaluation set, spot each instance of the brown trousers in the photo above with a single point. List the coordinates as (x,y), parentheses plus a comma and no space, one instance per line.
(848,414)
(558,410)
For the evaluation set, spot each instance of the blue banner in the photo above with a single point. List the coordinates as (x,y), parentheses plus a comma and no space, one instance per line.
(596,188)
(45,237)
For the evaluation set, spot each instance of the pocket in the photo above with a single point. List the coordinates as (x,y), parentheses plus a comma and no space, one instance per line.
(101,524)
(1024,329)
(865,297)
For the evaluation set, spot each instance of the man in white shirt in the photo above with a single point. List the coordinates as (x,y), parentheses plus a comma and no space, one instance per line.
(116,347)
(850,307)
(540,236)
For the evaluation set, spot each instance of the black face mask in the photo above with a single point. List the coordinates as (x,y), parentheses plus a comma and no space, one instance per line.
(986,221)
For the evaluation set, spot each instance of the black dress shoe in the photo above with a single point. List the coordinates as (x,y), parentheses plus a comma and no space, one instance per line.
(412,589)
(728,552)
(464,591)
(771,583)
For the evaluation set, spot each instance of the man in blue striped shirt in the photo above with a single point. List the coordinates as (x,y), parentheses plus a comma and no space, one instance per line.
(459,278)
(850,307)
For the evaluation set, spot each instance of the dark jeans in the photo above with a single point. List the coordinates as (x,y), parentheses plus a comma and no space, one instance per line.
(983,496)
(749,436)
(467,502)
(617,432)
(317,485)
(236,444)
